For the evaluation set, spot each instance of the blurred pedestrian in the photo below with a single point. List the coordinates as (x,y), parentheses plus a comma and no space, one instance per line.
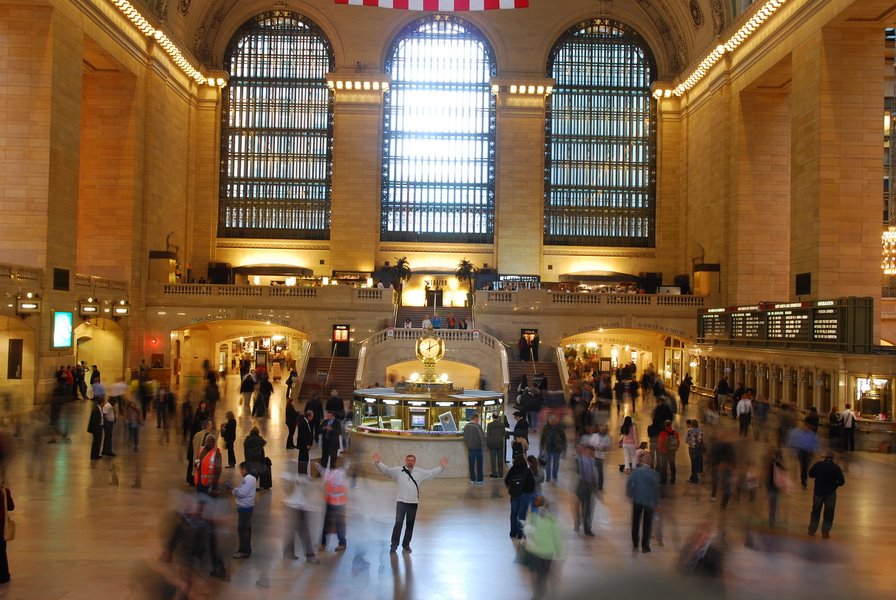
(228,434)
(828,477)
(520,483)
(6,506)
(585,489)
(245,506)
(495,438)
(553,448)
(643,487)
(696,449)
(544,545)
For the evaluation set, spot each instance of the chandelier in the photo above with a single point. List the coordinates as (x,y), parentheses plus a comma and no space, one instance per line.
(888,237)
(888,258)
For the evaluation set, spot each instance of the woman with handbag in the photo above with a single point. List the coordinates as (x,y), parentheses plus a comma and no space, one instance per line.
(9,530)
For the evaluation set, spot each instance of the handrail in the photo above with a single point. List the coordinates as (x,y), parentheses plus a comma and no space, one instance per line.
(306,351)
(563,369)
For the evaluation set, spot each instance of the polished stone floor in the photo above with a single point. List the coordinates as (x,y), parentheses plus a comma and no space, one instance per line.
(85,531)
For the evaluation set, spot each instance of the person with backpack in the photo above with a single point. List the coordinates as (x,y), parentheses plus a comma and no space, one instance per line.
(520,484)
(668,444)
(696,449)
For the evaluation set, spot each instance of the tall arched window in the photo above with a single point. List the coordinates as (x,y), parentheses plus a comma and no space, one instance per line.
(600,154)
(439,135)
(277,131)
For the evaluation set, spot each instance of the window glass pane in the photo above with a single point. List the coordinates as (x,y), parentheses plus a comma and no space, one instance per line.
(277,131)
(439,135)
(600,153)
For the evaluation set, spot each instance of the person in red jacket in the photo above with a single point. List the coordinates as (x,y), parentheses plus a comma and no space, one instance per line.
(667,444)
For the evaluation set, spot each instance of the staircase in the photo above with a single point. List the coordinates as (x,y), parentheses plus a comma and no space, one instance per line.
(517,368)
(342,377)
(417,313)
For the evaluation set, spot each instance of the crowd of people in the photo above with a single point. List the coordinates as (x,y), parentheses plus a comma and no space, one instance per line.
(764,451)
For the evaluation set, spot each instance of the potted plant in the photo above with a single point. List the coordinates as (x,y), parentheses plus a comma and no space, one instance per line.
(466,271)
(399,273)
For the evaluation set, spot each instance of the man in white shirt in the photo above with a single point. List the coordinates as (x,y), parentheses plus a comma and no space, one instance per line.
(848,422)
(108,425)
(426,324)
(407,479)
(745,411)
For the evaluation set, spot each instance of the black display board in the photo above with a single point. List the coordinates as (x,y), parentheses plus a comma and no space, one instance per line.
(841,325)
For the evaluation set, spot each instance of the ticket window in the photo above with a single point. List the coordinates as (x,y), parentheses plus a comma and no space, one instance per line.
(873,398)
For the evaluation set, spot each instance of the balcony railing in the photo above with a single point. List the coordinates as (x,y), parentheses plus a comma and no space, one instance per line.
(589,299)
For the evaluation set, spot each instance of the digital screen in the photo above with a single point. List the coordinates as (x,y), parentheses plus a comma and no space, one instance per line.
(418,420)
(62,329)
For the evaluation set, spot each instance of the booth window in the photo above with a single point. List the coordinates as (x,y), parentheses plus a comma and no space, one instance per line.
(438,178)
(600,139)
(277,131)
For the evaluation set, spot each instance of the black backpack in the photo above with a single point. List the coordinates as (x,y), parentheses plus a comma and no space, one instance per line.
(516,484)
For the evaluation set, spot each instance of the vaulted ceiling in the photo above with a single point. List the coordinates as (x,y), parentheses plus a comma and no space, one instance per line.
(678,31)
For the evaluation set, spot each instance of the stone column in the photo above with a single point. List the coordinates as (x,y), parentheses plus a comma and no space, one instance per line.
(519,202)
(836,163)
(357,163)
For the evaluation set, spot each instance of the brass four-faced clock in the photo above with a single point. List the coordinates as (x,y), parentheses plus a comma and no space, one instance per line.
(430,347)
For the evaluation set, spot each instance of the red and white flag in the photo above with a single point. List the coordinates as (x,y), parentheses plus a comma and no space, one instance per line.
(440,5)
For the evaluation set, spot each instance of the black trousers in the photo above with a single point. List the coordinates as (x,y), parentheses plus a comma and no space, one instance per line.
(639,512)
(849,439)
(404,511)
(829,503)
(244,531)
(290,436)
(4,562)
(107,440)
(97,443)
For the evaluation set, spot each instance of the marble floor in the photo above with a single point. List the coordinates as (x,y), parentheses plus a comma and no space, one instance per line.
(85,531)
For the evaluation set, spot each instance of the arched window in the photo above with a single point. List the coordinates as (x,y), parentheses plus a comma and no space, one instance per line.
(277,131)
(600,142)
(439,135)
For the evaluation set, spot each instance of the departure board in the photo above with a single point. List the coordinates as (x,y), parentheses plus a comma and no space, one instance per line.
(715,326)
(747,325)
(842,325)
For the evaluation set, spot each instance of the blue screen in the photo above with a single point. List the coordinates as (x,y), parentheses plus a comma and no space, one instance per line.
(62,329)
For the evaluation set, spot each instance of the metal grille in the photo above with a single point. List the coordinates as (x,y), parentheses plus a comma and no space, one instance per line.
(277,131)
(600,139)
(438,178)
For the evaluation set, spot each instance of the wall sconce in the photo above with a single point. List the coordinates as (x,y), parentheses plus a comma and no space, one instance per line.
(121,309)
(28,304)
(89,308)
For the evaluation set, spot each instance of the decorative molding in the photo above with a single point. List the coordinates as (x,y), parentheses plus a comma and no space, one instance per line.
(184,7)
(633,253)
(718,16)
(270,245)
(441,250)
(696,13)
(676,49)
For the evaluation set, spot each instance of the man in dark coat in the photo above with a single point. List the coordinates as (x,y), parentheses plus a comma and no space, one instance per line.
(330,434)
(291,420)
(306,439)
(828,477)
(315,406)
(95,427)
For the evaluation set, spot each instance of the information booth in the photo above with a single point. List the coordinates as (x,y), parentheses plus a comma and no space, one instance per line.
(423,419)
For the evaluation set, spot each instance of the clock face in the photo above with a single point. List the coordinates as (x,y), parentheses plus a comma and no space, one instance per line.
(430,348)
